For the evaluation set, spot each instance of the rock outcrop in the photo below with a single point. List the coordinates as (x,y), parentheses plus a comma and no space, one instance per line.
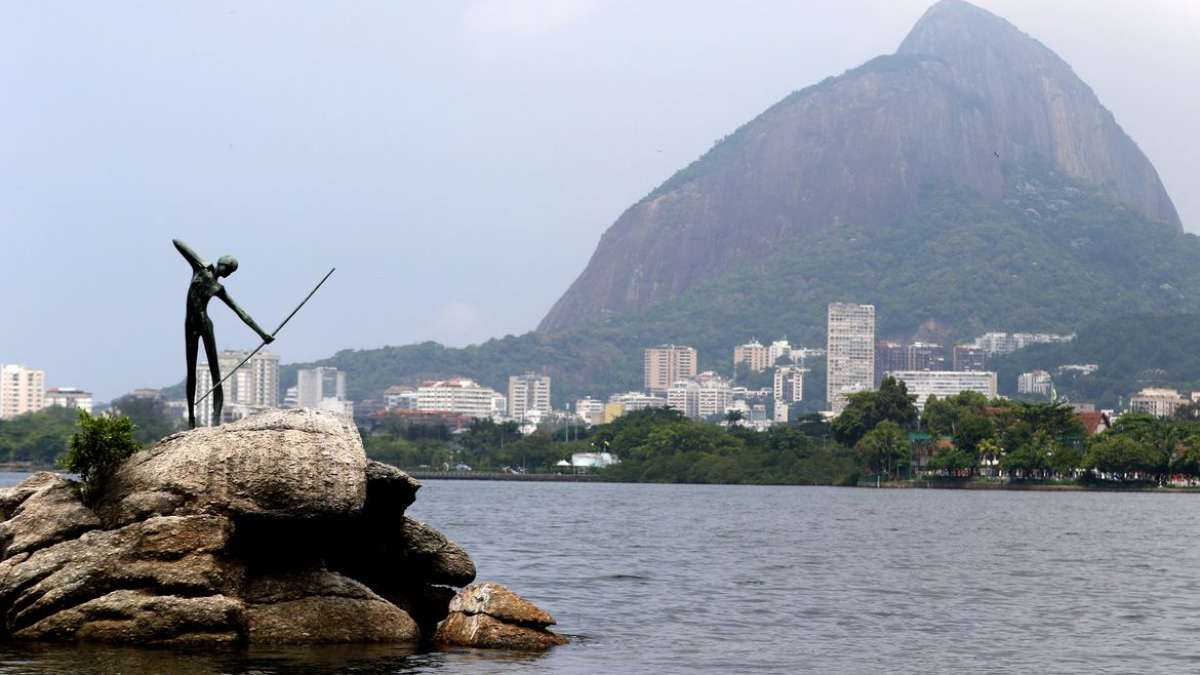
(490,616)
(274,529)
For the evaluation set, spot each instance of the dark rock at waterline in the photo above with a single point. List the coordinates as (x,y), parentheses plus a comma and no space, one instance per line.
(274,529)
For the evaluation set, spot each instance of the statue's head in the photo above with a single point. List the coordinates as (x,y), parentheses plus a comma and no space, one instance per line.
(226,265)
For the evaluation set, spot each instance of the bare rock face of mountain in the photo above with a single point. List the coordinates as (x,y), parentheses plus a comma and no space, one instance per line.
(968,102)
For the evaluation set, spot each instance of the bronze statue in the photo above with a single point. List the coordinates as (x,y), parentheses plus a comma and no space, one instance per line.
(198,326)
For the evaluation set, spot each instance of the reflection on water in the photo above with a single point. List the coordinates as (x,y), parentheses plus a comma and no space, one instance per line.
(719,579)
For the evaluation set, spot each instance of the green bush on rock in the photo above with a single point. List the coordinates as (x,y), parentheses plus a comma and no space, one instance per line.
(101,443)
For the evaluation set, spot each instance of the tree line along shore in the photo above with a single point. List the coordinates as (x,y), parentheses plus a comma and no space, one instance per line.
(878,439)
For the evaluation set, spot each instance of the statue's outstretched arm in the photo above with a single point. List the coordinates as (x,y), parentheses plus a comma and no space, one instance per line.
(266,337)
(188,254)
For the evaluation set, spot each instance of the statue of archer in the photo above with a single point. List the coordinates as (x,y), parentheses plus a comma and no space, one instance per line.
(198,326)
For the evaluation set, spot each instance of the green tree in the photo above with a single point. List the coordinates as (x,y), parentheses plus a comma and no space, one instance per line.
(151,418)
(885,449)
(867,409)
(97,449)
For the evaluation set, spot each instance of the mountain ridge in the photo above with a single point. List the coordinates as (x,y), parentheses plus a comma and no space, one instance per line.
(967,100)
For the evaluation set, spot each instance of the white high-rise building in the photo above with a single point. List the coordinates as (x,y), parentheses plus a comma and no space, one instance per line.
(590,410)
(944,383)
(22,390)
(460,396)
(789,384)
(526,393)
(69,397)
(705,396)
(779,349)
(314,385)
(849,352)
(1036,382)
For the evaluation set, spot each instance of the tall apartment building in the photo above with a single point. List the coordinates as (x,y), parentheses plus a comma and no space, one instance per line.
(69,397)
(849,352)
(22,390)
(889,356)
(460,396)
(526,393)
(926,356)
(1034,382)
(701,397)
(756,357)
(314,385)
(789,384)
(590,410)
(667,364)
(944,383)
(969,357)
(779,349)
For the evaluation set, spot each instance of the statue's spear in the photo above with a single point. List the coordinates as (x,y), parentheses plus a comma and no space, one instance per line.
(264,343)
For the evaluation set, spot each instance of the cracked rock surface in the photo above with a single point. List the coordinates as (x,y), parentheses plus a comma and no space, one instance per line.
(273,529)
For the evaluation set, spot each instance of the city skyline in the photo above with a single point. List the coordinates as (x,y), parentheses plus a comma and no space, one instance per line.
(256,165)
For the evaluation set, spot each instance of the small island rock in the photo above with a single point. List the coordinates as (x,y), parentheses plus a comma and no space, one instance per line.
(488,615)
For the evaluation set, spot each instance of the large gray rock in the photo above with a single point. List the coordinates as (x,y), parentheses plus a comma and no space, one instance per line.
(321,606)
(432,556)
(295,464)
(167,555)
(43,510)
(274,529)
(141,617)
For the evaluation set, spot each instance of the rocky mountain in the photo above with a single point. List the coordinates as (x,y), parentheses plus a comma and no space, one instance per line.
(968,105)
(969,182)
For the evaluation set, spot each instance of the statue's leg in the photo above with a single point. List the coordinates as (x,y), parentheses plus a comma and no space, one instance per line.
(214,368)
(192,343)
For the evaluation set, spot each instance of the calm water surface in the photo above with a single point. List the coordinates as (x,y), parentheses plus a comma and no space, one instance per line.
(721,579)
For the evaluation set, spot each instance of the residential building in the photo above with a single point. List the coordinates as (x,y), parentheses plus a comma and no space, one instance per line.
(706,395)
(460,396)
(1081,369)
(146,393)
(22,390)
(400,397)
(667,364)
(526,393)
(945,383)
(780,349)
(69,397)
(314,385)
(636,400)
(969,357)
(925,356)
(889,356)
(1004,343)
(590,410)
(613,410)
(849,352)
(754,355)
(780,413)
(1035,382)
(1156,401)
(789,384)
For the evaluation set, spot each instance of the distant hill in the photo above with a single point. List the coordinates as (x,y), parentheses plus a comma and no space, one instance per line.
(969,182)
(1133,351)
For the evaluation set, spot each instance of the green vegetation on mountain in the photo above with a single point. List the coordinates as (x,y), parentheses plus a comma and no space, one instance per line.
(1132,351)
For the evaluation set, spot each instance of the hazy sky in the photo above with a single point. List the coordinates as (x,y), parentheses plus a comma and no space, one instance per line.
(457,161)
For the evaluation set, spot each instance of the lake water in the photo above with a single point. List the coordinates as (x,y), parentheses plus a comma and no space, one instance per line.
(724,579)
